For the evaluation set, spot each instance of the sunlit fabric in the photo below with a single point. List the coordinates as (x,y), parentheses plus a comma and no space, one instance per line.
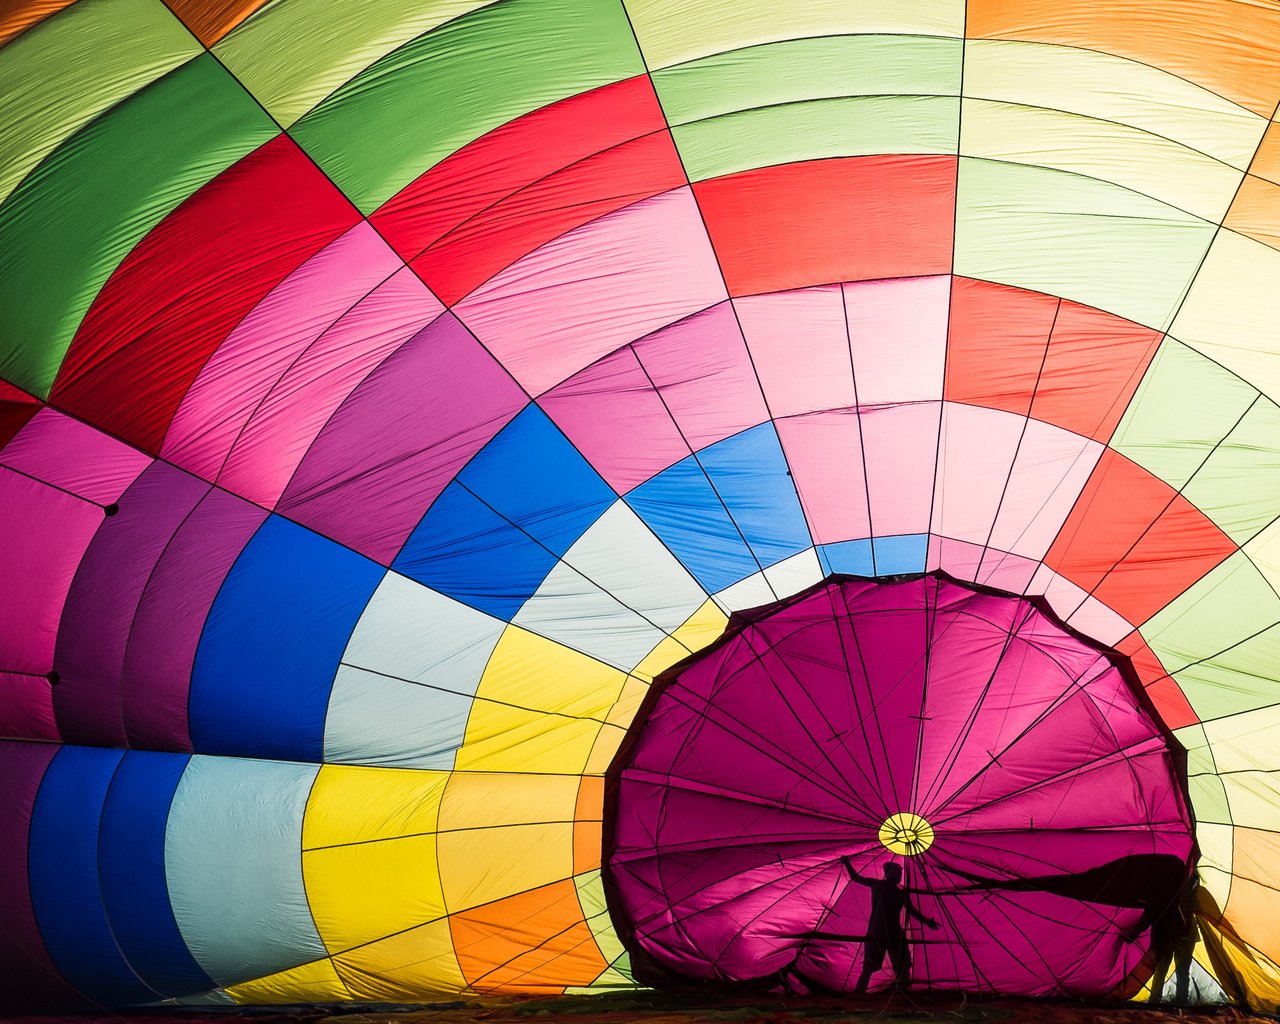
(391,392)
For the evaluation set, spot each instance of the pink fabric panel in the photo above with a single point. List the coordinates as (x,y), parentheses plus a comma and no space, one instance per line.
(982,565)
(901,444)
(800,349)
(1080,611)
(825,455)
(74,457)
(1051,470)
(898,332)
(593,289)
(45,535)
(614,416)
(704,374)
(297,407)
(244,368)
(977,450)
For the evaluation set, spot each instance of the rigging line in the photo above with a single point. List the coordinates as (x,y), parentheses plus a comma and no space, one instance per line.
(1168,505)
(1026,423)
(1019,618)
(855,705)
(945,909)
(787,758)
(1071,690)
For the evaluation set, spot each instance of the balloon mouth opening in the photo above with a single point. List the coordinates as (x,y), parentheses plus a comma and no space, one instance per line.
(1009,771)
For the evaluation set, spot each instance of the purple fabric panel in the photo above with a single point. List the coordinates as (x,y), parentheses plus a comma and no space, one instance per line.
(171,615)
(398,440)
(1054,801)
(25,966)
(103,598)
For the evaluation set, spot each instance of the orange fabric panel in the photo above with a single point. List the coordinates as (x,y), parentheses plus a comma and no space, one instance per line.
(995,344)
(1253,908)
(1162,690)
(823,221)
(1229,46)
(210,20)
(1266,161)
(1133,542)
(535,941)
(1093,367)
(1255,211)
(588,839)
(16,16)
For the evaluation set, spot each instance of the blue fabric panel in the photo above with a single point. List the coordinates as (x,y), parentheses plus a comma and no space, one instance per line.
(272,643)
(533,476)
(131,858)
(750,473)
(905,553)
(463,549)
(65,888)
(681,508)
(848,556)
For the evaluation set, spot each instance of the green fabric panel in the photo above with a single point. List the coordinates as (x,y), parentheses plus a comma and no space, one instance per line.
(460,81)
(1083,239)
(58,76)
(596,912)
(1239,487)
(1241,679)
(73,220)
(1184,406)
(804,69)
(1231,602)
(293,53)
(1209,799)
(818,129)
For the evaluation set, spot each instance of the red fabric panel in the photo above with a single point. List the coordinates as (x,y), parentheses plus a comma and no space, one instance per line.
(513,156)
(1123,507)
(186,285)
(1162,690)
(16,407)
(995,344)
(1094,364)
(849,219)
(496,237)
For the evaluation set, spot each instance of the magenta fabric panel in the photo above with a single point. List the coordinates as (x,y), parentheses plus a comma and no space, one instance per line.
(981,564)
(30,981)
(74,456)
(703,372)
(242,370)
(614,415)
(281,429)
(104,596)
(1056,819)
(171,614)
(388,452)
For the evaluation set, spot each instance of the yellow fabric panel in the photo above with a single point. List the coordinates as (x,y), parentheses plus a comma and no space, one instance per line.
(1254,797)
(509,728)
(604,749)
(1110,88)
(1228,46)
(316,982)
(1256,211)
(1216,843)
(1264,551)
(700,629)
(355,804)
(673,31)
(368,891)
(404,967)
(1240,970)
(504,833)
(1126,156)
(1232,312)
(292,55)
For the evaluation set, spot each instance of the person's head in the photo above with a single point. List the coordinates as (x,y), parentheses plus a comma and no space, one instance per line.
(893,871)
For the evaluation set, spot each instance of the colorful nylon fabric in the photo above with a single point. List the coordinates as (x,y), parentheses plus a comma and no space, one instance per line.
(389,393)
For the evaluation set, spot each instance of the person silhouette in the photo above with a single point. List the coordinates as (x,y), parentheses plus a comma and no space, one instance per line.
(885,933)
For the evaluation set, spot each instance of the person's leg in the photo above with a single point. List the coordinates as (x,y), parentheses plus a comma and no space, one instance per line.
(1157,979)
(900,957)
(1183,956)
(872,960)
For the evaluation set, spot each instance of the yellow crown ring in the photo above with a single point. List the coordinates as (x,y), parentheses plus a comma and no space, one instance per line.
(906,834)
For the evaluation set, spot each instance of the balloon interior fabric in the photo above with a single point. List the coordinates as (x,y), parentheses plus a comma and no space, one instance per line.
(1013,767)
(391,392)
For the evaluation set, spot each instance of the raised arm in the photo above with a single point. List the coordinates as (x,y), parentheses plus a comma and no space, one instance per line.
(853,875)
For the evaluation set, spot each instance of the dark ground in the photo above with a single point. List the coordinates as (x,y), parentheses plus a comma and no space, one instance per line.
(658,1008)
